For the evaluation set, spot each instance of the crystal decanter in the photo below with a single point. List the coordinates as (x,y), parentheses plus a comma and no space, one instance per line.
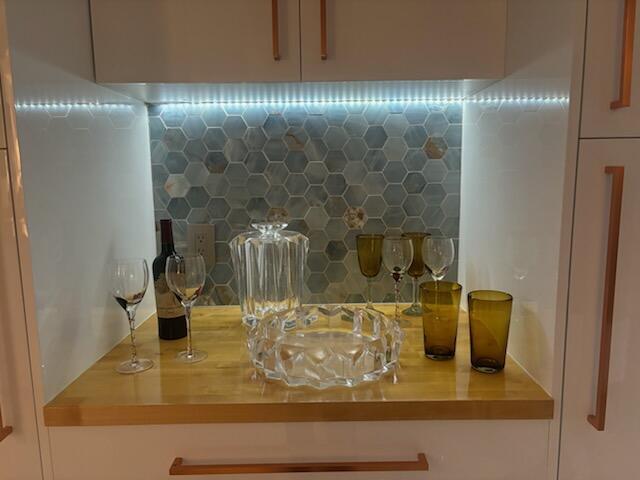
(269,265)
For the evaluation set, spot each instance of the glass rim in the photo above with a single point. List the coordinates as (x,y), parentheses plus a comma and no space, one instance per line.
(416,234)
(497,296)
(453,286)
(370,235)
(396,237)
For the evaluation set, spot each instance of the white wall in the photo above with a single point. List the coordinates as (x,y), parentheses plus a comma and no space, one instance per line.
(87,181)
(513,179)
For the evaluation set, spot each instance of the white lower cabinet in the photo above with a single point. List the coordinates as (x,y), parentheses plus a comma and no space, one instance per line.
(460,450)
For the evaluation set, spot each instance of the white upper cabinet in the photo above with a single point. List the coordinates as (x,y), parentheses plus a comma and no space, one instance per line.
(219,41)
(611,93)
(402,39)
(176,41)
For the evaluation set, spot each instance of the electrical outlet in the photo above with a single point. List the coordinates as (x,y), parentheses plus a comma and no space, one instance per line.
(201,240)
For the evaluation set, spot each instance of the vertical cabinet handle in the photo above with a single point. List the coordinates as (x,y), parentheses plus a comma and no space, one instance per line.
(323,29)
(4,430)
(179,468)
(275,30)
(626,62)
(615,209)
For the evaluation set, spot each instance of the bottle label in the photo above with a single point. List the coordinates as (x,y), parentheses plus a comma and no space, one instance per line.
(167,304)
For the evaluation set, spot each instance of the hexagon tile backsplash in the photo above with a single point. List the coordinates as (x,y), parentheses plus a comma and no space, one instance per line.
(333,170)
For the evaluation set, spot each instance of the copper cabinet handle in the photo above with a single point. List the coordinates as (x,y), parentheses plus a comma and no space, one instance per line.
(179,468)
(323,29)
(626,63)
(615,210)
(4,430)
(275,30)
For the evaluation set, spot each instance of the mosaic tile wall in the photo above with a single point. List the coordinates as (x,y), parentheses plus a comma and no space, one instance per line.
(333,170)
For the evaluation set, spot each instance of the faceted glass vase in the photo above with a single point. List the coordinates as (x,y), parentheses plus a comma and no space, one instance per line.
(325,346)
(269,264)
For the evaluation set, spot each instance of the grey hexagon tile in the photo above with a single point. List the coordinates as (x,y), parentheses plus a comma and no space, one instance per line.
(276,173)
(336,115)
(174,139)
(194,126)
(414,182)
(375,136)
(336,272)
(436,124)
(296,138)
(233,108)
(434,194)
(238,219)
(435,171)
(277,196)
(451,206)
(295,114)
(317,261)
(256,162)
(336,250)
(355,149)
(316,150)
(316,173)
(335,161)
(318,240)
(436,147)
(376,114)
(254,116)
(257,185)
(415,136)
(316,126)
(452,159)
(299,225)
(156,128)
(217,185)
(374,183)
(375,160)
(374,206)
(198,216)
(433,216)
(317,283)
(275,126)
(223,230)
(173,117)
(316,218)
(296,161)
(374,225)
(160,197)
(257,209)
(275,150)
(453,136)
(450,227)
(335,138)
(414,205)
(394,172)
(416,113)
(453,112)
(197,197)
(451,182)
(296,184)
(335,206)
(395,125)
(216,162)
(297,207)
(335,184)
(355,195)
(394,195)
(413,224)
(218,208)
(159,151)
(215,139)
(395,149)
(235,150)
(354,173)
(195,150)
(355,125)
(415,159)
(336,229)
(393,216)
(196,174)
(214,116)
(178,208)
(176,162)
(176,185)
(254,138)
(234,126)
(317,195)
(237,174)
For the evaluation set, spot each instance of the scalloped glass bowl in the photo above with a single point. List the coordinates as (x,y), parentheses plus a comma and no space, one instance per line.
(325,346)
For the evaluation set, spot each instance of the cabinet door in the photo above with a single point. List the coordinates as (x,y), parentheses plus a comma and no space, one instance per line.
(586,453)
(604,71)
(402,39)
(195,41)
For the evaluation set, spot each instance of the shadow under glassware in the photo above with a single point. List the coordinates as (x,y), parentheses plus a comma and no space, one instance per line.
(369,246)
(440,311)
(416,270)
(489,319)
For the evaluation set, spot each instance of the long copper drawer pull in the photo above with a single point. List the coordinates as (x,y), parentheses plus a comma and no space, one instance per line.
(4,431)
(179,468)
(626,63)
(615,210)
(275,30)
(323,29)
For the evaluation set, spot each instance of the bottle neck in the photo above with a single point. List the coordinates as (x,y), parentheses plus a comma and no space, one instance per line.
(166,237)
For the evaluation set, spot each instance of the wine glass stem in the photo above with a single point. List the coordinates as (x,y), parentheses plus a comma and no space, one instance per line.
(415,293)
(397,291)
(369,284)
(131,315)
(187,316)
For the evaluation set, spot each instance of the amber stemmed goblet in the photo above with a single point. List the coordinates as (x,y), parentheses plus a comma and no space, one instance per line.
(397,255)
(416,270)
(369,258)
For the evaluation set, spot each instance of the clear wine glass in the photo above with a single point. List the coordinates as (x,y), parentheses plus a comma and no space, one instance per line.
(397,255)
(129,281)
(185,275)
(440,253)
(416,270)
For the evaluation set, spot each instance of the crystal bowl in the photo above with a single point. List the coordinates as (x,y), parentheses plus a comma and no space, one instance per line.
(325,346)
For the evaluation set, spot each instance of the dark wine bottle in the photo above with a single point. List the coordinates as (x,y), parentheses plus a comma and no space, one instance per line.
(171,320)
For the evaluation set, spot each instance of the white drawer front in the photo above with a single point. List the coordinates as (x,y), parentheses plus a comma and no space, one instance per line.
(460,450)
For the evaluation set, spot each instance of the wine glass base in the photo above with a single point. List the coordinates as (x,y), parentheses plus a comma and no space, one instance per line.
(486,369)
(413,311)
(195,357)
(404,323)
(130,367)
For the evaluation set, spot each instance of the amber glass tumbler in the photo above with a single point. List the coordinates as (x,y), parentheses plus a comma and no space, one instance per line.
(440,309)
(489,319)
